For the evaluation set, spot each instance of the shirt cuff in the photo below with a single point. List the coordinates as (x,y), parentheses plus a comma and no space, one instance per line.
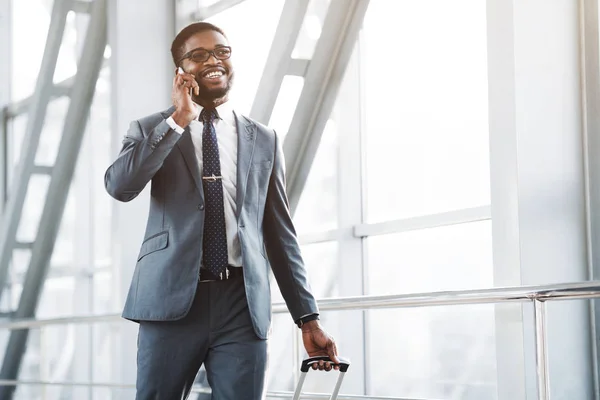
(171,122)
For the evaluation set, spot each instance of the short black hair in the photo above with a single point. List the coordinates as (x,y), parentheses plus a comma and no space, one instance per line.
(179,42)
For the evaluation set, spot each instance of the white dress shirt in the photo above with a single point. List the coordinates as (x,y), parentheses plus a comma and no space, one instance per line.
(226,131)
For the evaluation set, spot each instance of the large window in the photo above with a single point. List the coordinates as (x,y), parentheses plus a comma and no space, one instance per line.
(407,140)
(446,258)
(421,87)
(83,246)
(80,276)
(425,105)
(424,72)
(250,48)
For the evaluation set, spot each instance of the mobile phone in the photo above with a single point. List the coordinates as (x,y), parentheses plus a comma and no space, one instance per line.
(181,71)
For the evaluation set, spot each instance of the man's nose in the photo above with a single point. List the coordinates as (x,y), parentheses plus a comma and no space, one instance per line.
(211,57)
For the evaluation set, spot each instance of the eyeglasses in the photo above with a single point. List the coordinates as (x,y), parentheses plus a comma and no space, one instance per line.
(201,55)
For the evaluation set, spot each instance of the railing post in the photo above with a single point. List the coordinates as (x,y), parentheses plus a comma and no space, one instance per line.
(541,349)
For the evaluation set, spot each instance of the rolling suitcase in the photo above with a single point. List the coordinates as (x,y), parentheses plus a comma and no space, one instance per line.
(344,364)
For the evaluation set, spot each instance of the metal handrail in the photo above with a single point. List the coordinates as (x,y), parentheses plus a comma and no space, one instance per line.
(566,291)
(196,389)
(537,294)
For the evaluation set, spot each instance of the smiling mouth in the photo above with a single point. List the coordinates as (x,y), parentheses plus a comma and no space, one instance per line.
(213,74)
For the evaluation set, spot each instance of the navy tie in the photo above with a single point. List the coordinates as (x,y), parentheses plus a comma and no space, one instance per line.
(214,245)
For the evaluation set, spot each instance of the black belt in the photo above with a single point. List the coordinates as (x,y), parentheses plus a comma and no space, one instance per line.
(230,273)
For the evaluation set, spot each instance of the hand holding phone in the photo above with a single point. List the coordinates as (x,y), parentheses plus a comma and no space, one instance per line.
(184,86)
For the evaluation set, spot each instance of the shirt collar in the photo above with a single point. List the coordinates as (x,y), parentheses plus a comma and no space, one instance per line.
(225,112)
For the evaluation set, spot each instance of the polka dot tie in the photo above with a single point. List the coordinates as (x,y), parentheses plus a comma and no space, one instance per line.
(214,245)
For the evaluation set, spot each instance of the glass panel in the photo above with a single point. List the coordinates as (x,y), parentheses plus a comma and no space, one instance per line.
(104,293)
(101,156)
(322,263)
(71,235)
(19,263)
(281,355)
(33,207)
(311,29)
(251,42)
(84,238)
(68,55)
(28,392)
(320,205)
(18,268)
(285,106)
(317,208)
(103,353)
(85,232)
(58,298)
(116,394)
(65,296)
(446,258)
(52,131)
(447,352)
(31,364)
(570,351)
(206,3)
(436,353)
(16,134)
(14,292)
(30,22)
(427,149)
(73,353)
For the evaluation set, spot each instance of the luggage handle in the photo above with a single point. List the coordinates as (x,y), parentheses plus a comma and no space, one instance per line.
(344,364)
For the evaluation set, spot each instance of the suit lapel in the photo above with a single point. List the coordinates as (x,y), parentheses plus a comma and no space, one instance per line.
(246,140)
(186,146)
(188,151)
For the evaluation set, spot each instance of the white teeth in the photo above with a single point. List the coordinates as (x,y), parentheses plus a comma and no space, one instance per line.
(214,74)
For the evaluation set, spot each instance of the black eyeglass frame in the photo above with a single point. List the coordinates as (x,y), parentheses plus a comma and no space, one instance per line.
(208,52)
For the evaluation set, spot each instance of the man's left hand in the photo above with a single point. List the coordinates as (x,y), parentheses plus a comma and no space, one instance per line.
(317,342)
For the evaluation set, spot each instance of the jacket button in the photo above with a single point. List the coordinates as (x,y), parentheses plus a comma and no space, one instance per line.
(200,207)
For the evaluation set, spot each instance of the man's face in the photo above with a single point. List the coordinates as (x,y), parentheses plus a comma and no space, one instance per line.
(214,76)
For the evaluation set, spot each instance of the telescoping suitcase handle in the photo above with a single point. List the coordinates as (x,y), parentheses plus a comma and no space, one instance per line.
(306,364)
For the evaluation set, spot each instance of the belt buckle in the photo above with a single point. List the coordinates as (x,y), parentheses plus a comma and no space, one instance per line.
(220,277)
(226,275)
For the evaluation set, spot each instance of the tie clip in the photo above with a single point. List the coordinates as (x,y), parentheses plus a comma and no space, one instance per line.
(212,178)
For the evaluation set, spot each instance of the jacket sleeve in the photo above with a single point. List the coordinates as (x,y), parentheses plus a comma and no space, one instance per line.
(140,158)
(282,244)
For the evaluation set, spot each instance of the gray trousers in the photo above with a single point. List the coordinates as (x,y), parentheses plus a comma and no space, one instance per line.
(218,333)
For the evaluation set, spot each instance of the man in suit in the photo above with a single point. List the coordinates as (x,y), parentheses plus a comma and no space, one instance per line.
(218,218)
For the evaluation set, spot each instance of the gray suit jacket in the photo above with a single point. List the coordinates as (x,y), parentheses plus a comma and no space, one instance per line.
(166,274)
